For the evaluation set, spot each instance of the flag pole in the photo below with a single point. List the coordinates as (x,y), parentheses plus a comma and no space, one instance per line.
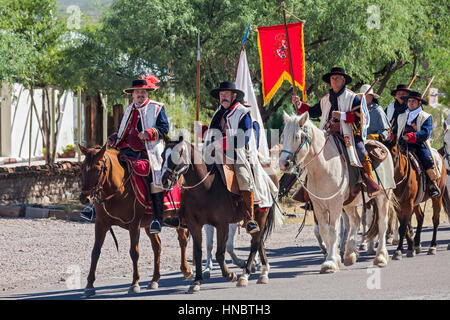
(428,86)
(197,108)
(294,89)
(412,80)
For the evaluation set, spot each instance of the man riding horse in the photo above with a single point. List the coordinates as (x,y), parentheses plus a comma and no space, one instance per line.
(414,127)
(338,110)
(140,138)
(233,124)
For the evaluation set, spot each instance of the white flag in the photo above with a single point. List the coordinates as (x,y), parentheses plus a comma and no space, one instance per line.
(244,83)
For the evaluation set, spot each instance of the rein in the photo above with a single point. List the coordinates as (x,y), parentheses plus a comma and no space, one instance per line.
(95,191)
(299,170)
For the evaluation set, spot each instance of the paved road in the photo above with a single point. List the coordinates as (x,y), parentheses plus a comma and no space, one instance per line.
(295,276)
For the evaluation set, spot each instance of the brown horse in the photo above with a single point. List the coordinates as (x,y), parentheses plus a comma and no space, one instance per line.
(206,200)
(115,203)
(407,180)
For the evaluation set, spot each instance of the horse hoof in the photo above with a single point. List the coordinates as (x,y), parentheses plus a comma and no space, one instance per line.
(363,246)
(89,292)
(263,280)
(397,255)
(418,249)
(380,261)
(389,240)
(206,275)
(134,289)
(232,277)
(190,276)
(328,267)
(410,254)
(242,282)
(432,251)
(349,259)
(153,285)
(194,288)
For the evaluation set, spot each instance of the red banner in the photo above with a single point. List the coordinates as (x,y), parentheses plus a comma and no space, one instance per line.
(273,52)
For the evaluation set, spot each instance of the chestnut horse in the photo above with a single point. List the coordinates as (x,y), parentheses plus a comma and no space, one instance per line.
(115,203)
(407,180)
(208,201)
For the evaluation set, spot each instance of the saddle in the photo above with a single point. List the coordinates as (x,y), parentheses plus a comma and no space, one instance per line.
(137,170)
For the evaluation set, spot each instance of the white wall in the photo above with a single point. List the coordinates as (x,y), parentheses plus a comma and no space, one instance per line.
(20,122)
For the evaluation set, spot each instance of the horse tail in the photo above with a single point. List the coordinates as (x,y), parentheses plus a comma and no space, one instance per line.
(270,223)
(114,237)
(446,202)
(372,232)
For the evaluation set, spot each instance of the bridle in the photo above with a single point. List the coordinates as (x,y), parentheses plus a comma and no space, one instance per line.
(306,142)
(174,175)
(95,190)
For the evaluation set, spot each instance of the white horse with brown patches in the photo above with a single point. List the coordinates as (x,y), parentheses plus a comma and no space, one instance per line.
(308,147)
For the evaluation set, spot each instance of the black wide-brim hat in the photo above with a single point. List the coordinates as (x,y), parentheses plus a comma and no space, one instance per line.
(227,86)
(140,84)
(400,87)
(337,70)
(414,95)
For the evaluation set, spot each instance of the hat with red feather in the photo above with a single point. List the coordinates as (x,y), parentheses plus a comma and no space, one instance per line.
(147,82)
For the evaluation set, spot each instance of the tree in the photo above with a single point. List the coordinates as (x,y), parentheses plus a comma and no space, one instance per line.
(31,40)
(384,39)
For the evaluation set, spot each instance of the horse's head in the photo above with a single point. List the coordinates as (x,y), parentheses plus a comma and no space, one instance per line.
(296,140)
(93,171)
(176,161)
(394,147)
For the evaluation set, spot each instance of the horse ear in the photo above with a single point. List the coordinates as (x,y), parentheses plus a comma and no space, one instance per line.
(303,118)
(101,153)
(82,149)
(166,138)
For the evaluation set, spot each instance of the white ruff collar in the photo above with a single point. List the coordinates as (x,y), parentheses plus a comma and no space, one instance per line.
(412,115)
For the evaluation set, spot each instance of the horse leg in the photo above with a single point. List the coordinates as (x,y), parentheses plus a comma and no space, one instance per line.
(265,268)
(404,217)
(328,231)
(134,231)
(230,246)
(156,246)
(209,230)
(351,251)
(382,255)
(419,216)
(196,232)
(437,205)
(256,244)
(344,223)
(183,241)
(364,223)
(100,233)
(222,236)
(322,245)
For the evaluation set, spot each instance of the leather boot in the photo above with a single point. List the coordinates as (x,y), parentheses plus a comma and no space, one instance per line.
(157,209)
(433,188)
(372,187)
(251,225)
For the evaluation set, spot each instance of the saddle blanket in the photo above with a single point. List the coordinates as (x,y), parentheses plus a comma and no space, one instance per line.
(139,177)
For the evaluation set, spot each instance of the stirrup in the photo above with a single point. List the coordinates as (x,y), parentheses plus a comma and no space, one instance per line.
(252,227)
(155,227)
(88,213)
